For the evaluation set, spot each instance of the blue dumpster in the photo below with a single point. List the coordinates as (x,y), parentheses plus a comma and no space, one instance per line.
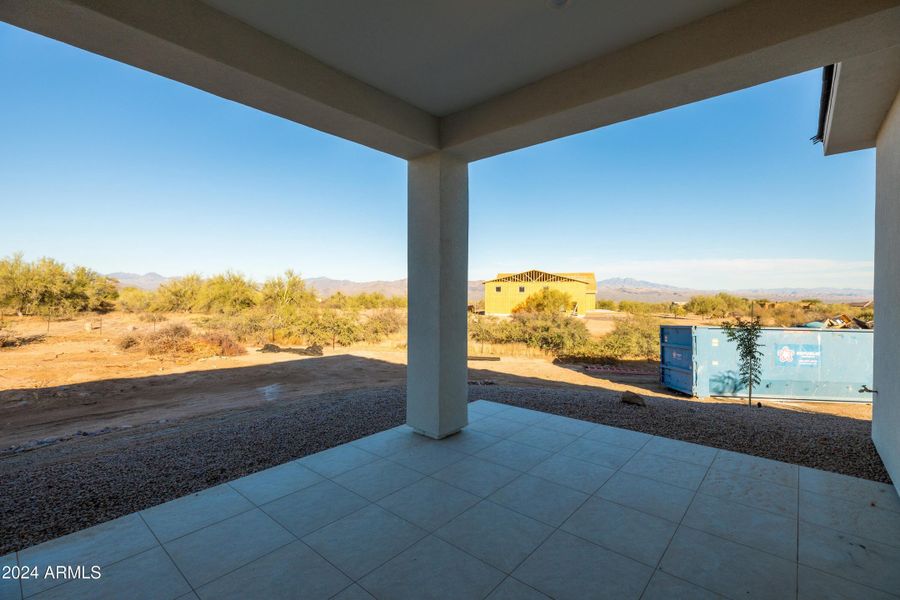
(797,364)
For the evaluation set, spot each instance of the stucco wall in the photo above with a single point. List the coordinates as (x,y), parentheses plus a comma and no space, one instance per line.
(509,296)
(886,407)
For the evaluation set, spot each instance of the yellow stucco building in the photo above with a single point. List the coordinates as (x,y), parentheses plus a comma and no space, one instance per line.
(509,290)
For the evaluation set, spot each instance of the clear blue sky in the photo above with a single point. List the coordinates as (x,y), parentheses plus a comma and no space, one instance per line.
(114,168)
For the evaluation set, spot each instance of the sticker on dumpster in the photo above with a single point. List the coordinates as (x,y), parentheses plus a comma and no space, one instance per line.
(798,355)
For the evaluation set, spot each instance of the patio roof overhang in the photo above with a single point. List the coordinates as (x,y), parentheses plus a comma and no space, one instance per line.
(862,91)
(476,79)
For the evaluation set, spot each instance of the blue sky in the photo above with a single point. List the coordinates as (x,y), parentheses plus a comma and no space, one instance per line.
(114,168)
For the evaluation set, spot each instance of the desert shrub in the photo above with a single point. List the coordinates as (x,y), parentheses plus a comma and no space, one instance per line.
(705,306)
(589,352)
(363,301)
(720,305)
(248,326)
(135,300)
(332,327)
(229,293)
(178,295)
(607,304)
(636,337)
(152,317)
(221,344)
(129,341)
(546,301)
(382,324)
(171,339)
(642,308)
(286,291)
(47,287)
(552,332)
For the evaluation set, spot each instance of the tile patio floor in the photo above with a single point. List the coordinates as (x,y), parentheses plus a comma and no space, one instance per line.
(522,504)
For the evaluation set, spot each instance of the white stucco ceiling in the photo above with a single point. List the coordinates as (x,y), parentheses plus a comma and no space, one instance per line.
(447,55)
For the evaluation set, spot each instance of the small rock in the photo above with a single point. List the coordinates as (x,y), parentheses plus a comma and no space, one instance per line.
(632,398)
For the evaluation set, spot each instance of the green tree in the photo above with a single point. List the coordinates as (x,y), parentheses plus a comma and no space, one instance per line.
(228,293)
(135,300)
(284,300)
(381,324)
(178,295)
(746,334)
(706,306)
(635,337)
(546,301)
(16,290)
(332,327)
(642,308)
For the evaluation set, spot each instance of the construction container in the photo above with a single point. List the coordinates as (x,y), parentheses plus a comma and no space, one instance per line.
(797,364)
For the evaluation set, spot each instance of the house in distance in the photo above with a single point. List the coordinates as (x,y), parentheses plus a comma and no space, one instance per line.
(508,290)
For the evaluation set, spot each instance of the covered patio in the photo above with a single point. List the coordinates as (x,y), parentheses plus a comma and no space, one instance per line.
(521,504)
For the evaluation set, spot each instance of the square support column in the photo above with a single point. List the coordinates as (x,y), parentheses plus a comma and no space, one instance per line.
(438,264)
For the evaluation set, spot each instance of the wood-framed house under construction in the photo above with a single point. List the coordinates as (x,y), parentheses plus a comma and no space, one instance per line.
(508,290)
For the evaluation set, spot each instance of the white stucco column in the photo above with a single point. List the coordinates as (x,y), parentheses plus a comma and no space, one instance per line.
(438,261)
(886,376)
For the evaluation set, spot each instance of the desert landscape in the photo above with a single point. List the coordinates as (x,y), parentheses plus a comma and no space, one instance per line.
(150,394)
(76,381)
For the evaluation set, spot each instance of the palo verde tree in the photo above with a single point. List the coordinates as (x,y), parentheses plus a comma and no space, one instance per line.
(746,334)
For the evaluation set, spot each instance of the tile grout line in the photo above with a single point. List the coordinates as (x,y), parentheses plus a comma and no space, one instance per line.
(261,556)
(558,528)
(21,585)
(169,556)
(677,527)
(375,504)
(481,499)
(797,555)
(313,550)
(255,507)
(115,562)
(696,492)
(864,585)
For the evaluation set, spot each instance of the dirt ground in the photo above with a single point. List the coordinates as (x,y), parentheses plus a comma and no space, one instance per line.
(76,381)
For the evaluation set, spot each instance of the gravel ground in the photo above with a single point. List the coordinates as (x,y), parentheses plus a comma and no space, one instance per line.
(62,488)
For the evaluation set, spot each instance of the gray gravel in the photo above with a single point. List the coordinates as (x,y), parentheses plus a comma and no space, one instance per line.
(57,489)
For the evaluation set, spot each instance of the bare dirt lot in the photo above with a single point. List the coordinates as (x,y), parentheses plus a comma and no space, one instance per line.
(79,381)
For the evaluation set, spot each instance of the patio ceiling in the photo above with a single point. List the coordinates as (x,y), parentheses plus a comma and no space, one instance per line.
(443,57)
(474,78)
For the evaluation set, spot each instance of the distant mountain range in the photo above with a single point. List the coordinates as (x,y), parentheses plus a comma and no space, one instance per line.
(147,281)
(646,291)
(616,288)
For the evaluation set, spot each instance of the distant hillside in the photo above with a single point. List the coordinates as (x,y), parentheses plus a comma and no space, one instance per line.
(326,287)
(626,288)
(616,288)
(147,281)
(646,291)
